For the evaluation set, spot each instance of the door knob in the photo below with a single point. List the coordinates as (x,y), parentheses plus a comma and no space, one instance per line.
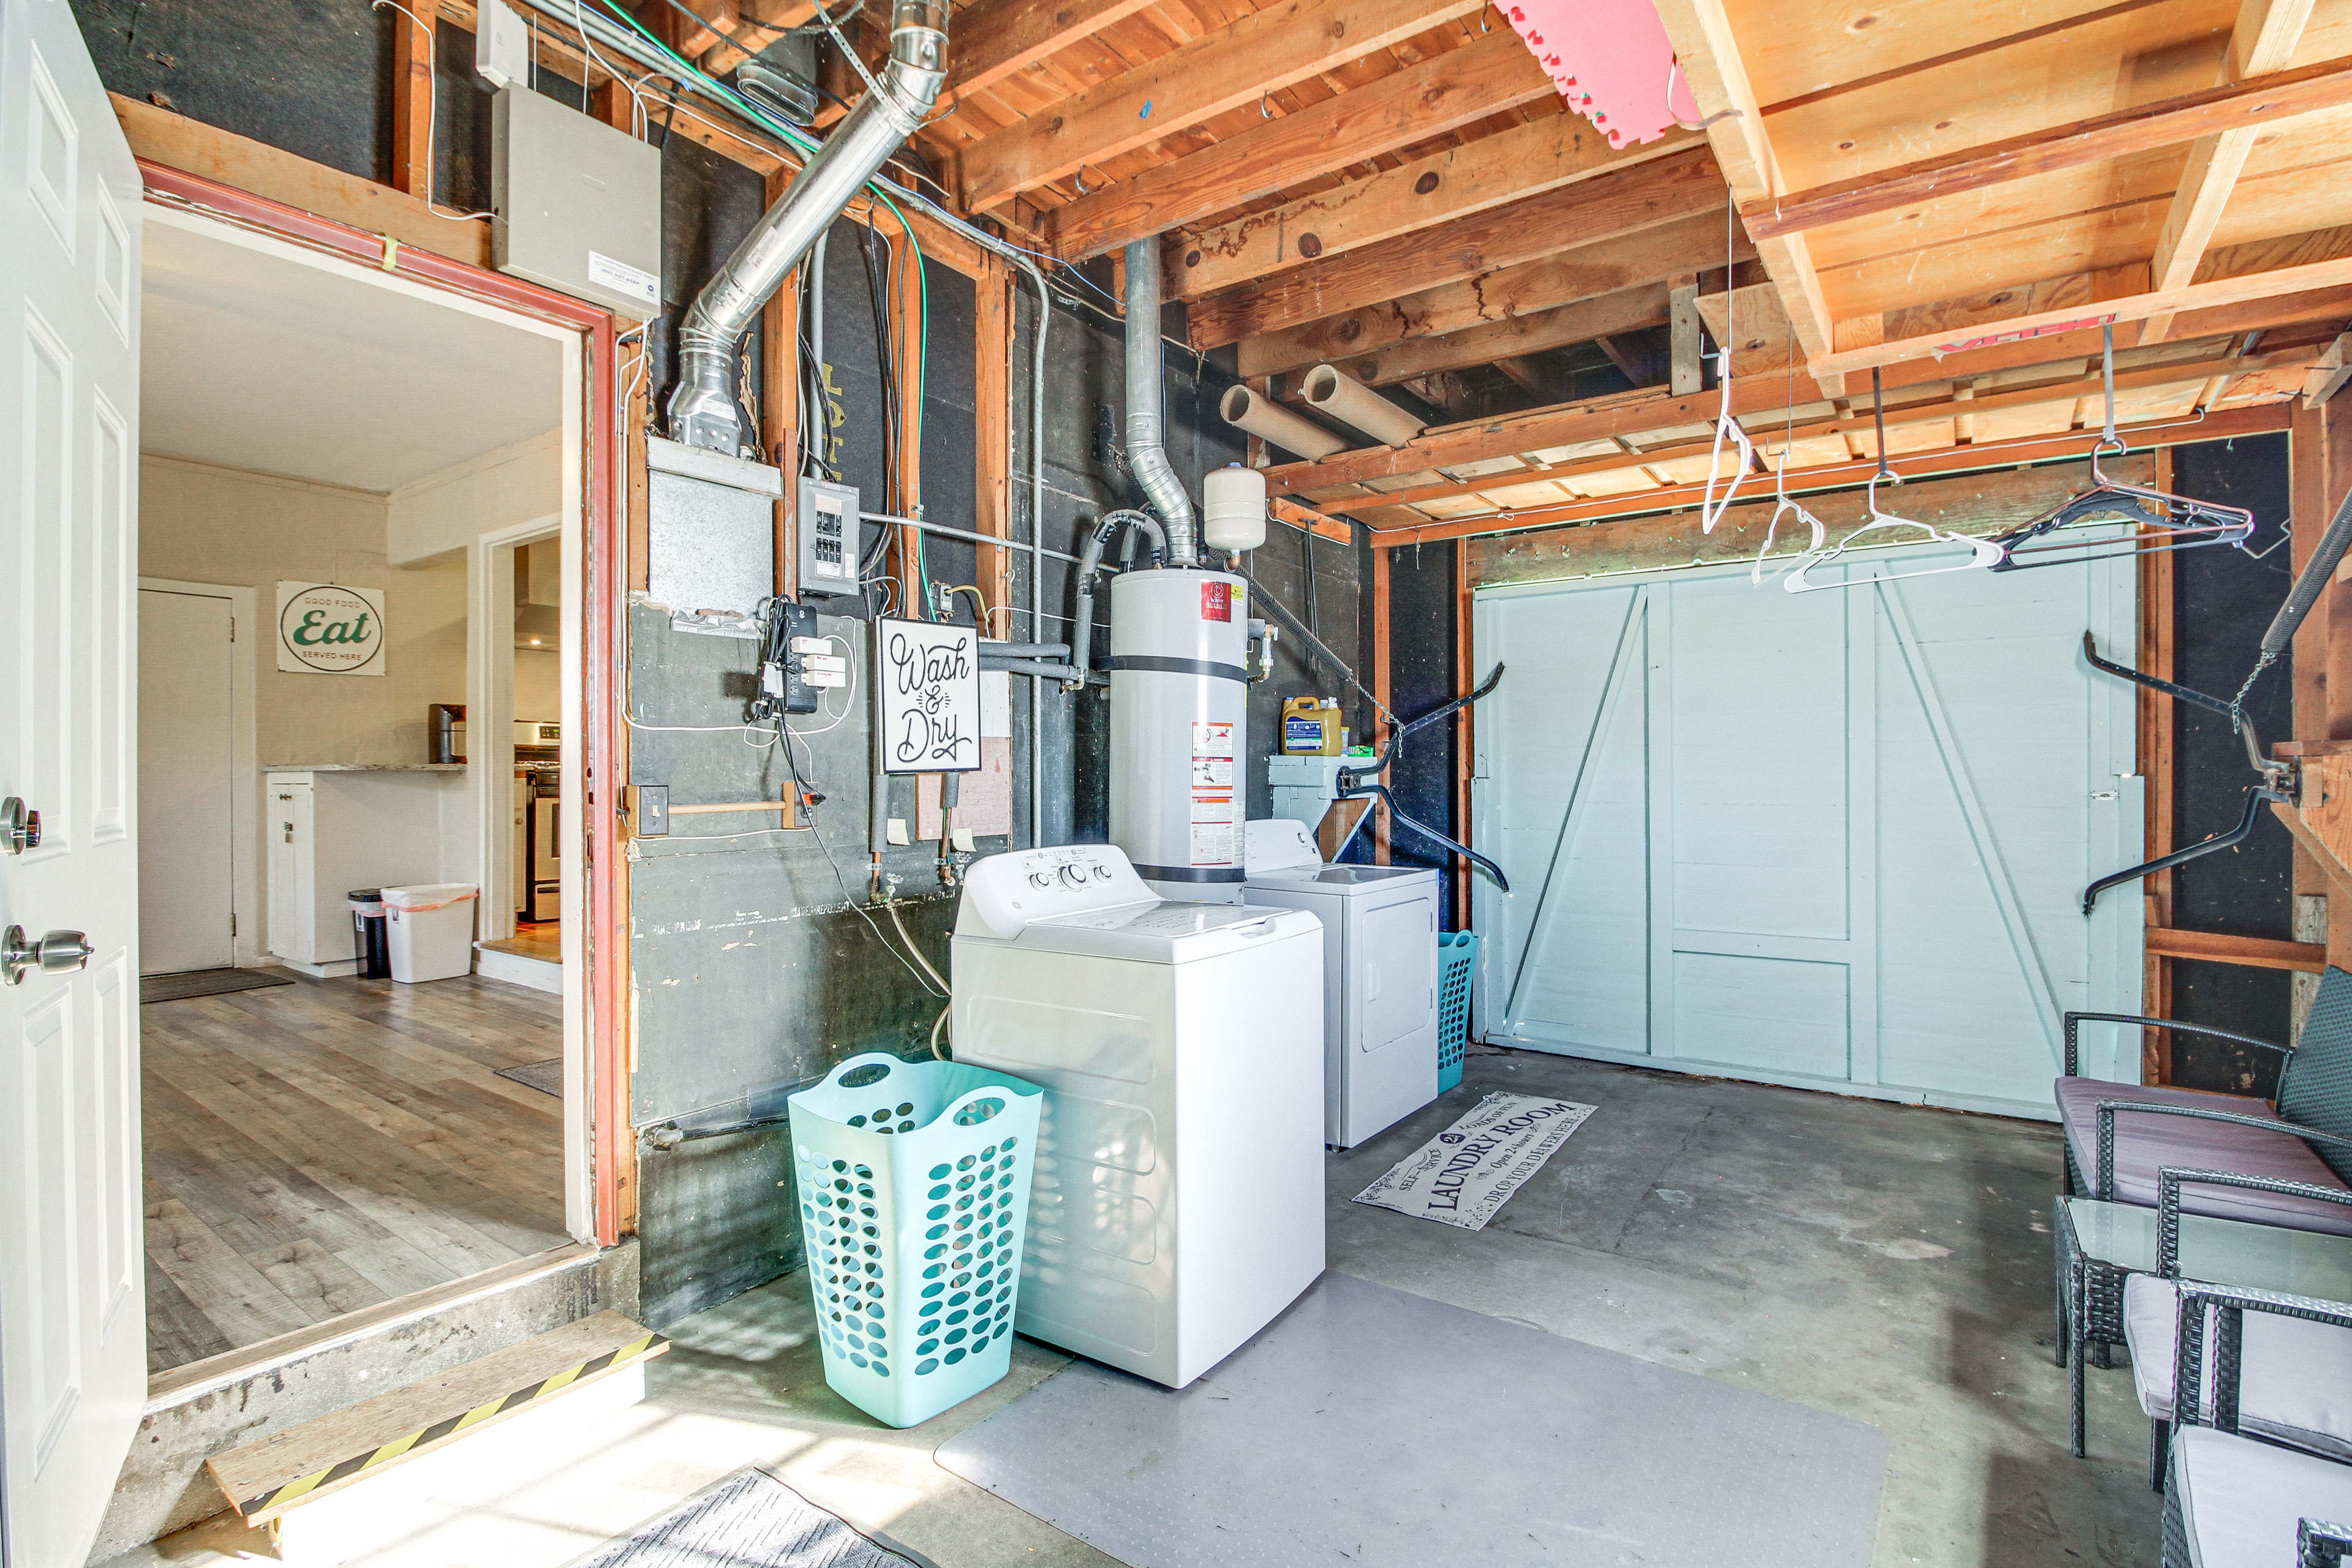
(54,953)
(20,826)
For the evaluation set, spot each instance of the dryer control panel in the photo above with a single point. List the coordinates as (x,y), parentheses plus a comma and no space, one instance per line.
(1004,892)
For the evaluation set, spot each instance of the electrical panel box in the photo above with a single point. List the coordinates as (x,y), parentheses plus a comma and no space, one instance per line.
(828,538)
(575,203)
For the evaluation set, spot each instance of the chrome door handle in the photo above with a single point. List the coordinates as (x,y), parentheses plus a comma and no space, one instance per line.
(55,954)
(20,826)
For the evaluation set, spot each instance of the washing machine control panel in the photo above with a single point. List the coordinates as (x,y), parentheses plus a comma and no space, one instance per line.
(1004,892)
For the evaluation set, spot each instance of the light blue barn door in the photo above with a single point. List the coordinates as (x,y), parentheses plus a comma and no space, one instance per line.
(1830,838)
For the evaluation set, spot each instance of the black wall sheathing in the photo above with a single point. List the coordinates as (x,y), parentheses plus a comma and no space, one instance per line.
(1421,677)
(2223,599)
(310,76)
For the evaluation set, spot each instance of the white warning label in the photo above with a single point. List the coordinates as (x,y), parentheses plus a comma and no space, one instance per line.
(1216,833)
(1212,740)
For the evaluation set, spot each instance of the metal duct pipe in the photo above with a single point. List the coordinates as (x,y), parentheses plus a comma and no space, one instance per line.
(1332,391)
(991,648)
(1146,452)
(1261,418)
(1082,627)
(702,410)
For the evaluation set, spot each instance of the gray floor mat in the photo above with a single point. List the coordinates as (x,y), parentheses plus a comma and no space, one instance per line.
(750,1519)
(1372,1427)
(546,1076)
(205,983)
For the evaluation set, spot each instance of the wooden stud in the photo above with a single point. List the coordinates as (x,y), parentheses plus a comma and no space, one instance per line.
(1684,373)
(412,106)
(1237,64)
(2156,769)
(2328,376)
(2254,952)
(906,296)
(2224,109)
(1592,211)
(2309,507)
(779,402)
(1465,762)
(993,437)
(2263,42)
(1383,568)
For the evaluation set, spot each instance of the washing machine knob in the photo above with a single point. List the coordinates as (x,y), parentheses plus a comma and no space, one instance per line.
(1074,876)
(1039,880)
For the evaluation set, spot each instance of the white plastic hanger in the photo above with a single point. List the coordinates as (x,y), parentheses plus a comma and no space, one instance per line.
(1711,511)
(1787,504)
(1982,552)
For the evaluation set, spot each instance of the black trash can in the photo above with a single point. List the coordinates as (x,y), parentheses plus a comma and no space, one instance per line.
(371,935)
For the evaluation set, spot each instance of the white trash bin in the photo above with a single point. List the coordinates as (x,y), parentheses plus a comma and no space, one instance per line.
(431,930)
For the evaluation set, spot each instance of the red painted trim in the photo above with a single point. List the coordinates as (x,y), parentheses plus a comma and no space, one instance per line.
(605,592)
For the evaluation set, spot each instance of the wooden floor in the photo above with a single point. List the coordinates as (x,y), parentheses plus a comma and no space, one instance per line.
(323,1146)
(532,938)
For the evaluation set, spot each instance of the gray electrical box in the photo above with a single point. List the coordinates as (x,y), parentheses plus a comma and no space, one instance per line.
(828,538)
(576,204)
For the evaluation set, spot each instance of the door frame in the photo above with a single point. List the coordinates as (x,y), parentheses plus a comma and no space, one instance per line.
(245,785)
(489,693)
(598,1143)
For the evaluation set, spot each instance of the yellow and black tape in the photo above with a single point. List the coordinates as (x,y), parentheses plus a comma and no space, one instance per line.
(425,1437)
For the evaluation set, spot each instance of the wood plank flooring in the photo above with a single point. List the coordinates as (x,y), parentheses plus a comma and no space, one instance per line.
(323,1146)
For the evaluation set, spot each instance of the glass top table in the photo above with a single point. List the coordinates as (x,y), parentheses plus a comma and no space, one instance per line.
(2218,1251)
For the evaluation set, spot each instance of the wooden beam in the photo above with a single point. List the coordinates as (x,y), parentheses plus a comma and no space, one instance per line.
(2328,376)
(2157,762)
(991,39)
(1466,756)
(1306,520)
(1383,568)
(1684,373)
(1591,212)
(1813,428)
(2256,951)
(1564,277)
(2026,449)
(1628,310)
(993,438)
(2254,101)
(1700,31)
(780,420)
(2321,275)
(2263,42)
(1235,65)
(176,142)
(1511,164)
(412,106)
(907,345)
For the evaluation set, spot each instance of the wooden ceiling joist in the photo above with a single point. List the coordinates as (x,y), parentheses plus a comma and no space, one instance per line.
(2229,109)
(2263,42)
(1627,311)
(1591,212)
(991,39)
(1583,272)
(1702,37)
(1436,96)
(1236,65)
(1508,165)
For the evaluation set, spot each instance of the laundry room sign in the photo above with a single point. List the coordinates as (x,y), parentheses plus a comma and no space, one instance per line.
(928,673)
(325,629)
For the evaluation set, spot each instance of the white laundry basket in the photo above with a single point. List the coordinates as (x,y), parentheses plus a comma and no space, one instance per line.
(431,930)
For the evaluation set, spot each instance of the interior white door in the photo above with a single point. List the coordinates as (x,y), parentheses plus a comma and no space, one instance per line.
(1833,839)
(73,1371)
(187,727)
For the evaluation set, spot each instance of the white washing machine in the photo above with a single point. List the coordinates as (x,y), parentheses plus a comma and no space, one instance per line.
(1379,975)
(1178,1201)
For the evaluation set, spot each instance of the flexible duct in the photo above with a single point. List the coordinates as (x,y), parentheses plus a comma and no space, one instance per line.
(702,410)
(1246,410)
(1082,629)
(1147,452)
(1332,391)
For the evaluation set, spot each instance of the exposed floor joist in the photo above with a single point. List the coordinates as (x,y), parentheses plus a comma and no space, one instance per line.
(991,39)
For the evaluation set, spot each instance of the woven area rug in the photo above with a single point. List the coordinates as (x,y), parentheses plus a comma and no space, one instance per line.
(750,1519)
(546,1076)
(205,983)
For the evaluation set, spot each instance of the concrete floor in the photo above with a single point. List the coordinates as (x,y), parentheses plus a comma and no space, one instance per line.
(1888,1263)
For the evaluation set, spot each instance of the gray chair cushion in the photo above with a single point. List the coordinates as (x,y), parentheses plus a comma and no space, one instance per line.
(2146,1144)
(2295,1383)
(2241,1499)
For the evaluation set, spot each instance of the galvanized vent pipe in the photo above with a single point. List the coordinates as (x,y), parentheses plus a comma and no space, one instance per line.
(1147,452)
(702,410)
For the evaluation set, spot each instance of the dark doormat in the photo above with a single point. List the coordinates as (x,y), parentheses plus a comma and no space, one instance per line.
(1385,1430)
(750,1519)
(546,1076)
(205,983)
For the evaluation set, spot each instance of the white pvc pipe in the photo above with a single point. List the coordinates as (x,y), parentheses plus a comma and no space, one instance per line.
(1332,391)
(1246,410)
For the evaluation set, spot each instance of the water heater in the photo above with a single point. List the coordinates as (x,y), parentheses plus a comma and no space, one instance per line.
(1178,696)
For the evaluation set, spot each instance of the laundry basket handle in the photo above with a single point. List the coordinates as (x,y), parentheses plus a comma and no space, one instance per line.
(974,1096)
(883,1060)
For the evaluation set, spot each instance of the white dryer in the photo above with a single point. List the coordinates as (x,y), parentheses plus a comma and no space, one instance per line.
(1379,975)
(1178,1199)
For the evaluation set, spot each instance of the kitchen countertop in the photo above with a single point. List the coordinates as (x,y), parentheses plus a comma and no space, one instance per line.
(364,768)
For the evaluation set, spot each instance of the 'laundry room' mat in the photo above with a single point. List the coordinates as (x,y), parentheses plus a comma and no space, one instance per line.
(1378,1429)
(1467,1173)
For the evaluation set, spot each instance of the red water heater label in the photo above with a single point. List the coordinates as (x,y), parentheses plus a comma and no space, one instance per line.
(1216,600)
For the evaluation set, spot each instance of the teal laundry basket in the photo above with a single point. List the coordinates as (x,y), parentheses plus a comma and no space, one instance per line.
(914,1192)
(1457,957)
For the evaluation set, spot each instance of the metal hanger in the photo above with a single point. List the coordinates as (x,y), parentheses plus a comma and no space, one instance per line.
(2152,521)
(1982,552)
